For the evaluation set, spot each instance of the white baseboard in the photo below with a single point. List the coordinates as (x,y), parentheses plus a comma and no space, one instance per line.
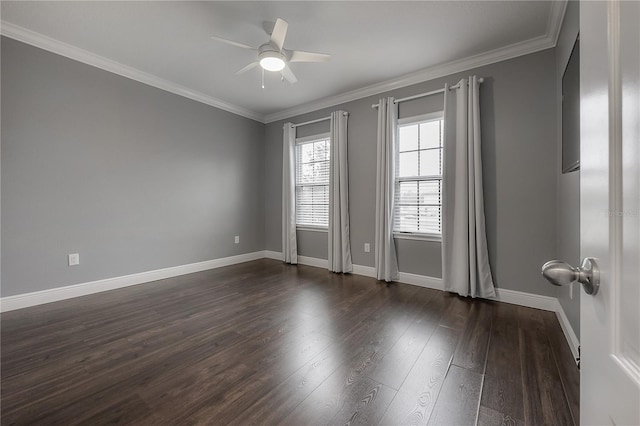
(302,260)
(405,277)
(270,254)
(25,300)
(367,271)
(529,300)
(313,261)
(421,280)
(19,301)
(370,271)
(569,334)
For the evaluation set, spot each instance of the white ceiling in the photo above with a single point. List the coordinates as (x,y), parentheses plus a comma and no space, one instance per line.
(370,42)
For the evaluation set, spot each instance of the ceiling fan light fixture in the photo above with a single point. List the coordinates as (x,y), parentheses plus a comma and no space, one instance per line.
(272,56)
(272,61)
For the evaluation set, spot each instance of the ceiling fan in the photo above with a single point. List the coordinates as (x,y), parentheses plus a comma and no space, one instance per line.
(272,56)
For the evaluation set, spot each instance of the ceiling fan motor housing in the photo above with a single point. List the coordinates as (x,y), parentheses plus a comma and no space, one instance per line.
(271,58)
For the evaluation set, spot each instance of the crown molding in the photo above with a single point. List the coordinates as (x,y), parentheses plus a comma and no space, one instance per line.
(556,17)
(546,41)
(426,74)
(549,40)
(41,41)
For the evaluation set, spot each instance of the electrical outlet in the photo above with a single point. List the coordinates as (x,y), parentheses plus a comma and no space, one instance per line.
(74,259)
(367,247)
(237,239)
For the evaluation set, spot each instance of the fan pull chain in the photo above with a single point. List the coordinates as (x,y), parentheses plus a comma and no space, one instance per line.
(263,78)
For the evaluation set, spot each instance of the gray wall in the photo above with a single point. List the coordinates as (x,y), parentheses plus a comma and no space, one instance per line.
(131,177)
(135,179)
(519,131)
(569,183)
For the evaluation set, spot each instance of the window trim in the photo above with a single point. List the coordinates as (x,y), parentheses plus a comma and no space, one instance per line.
(312,228)
(408,121)
(422,118)
(313,138)
(419,236)
(301,141)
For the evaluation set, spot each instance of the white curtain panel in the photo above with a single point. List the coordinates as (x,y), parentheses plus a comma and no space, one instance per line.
(465,258)
(289,242)
(339,245)
(386,261)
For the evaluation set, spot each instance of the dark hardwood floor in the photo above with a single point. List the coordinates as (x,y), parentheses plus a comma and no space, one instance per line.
(266,343)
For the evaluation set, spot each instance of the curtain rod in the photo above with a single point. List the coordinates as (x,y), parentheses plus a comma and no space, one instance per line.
(316,121)
(422,95)
(312,121)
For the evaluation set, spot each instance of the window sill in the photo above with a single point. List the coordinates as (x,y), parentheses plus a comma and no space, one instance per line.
(416,236)
(312,228)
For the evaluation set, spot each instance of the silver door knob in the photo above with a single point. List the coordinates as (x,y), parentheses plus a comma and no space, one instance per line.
(561,273)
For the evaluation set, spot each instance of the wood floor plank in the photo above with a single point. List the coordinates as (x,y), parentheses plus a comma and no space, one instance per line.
(457,402)
(275,405)
(380,306)
(503,357)
(82,407)
(416,398)
(568,369)
(231,403)
(503,396)
(128,410)
(364,404)
(269,343)
(489,417)
(471,352)
(344,397)
(457,311)
(122,370)
(398,362)
(188,392)
(369,341)
(544,399)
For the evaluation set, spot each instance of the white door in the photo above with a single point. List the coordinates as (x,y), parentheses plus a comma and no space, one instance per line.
(610,211)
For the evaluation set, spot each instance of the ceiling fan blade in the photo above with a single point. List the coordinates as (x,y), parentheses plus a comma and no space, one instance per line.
(279,33)
(289,75)
(233,43)
(247,68)
(299,56)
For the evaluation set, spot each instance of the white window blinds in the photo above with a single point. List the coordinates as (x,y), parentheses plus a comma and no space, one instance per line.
(312,182)
(418,203)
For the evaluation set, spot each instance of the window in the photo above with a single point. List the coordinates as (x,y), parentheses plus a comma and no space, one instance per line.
(312,181)
(418,182)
